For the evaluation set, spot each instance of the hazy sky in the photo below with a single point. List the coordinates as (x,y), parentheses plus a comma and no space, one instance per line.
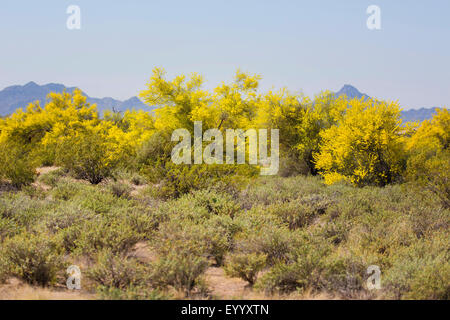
(306,46)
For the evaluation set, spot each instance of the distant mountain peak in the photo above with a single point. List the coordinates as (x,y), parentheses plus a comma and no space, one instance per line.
(351,92)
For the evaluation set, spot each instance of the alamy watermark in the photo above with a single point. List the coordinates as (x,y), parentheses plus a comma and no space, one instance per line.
(74,20)
(74,280)
(374,279)
(374,20)
(236,140)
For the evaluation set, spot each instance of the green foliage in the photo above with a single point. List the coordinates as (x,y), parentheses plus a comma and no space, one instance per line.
(296,233)
(246,266)
(120,190)
(16,164)
(181,179)
(120,272)
(180,270)
(36,259)
(107,233)
(429,156)
(52,178)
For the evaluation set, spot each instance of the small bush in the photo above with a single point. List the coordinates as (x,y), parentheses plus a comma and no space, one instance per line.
(66,190)
(180,270)
(246,266)
(106,233)
(112,271)
(120,190)
(34,258)
(303,269)
(52,178)
(16,164)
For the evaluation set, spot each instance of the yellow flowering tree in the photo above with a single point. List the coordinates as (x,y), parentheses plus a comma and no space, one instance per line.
(429,155)
(365,146)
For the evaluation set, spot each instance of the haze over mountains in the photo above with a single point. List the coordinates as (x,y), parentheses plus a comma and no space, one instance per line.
(14,97)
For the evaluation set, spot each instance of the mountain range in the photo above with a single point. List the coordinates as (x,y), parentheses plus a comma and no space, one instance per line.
(14,97)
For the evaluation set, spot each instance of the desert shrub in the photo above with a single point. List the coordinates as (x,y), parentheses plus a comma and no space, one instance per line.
(113,271)
(8,228)
(4,271)
(200,205)
(129,175)
(270,190)
(16,163)
(299,212)
(426,219)
(141,220)
(184,248)
(211,239)
(52,178)
(138,180)
(179,269)
(303,269)
(274,241)
(65,216)
(344,274)
(66,190)
(106,233)
(101,201)
(36,259)
(120,190)
(215,202)
(246,266)
(23,210)
(177,180)
(420,271)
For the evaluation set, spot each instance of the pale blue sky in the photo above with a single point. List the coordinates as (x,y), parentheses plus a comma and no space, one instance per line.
(305,46)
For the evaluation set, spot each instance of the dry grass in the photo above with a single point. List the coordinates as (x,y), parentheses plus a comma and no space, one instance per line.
(14,289)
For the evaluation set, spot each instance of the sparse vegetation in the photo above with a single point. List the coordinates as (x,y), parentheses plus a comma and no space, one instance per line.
(356,189)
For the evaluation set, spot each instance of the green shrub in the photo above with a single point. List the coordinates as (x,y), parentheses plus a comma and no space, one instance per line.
(112,271)
(212,239)
(215,202)
(176,180)
(52,178)
(121,190)
(275,242)
(22,210)
(421,271)
(65,216)
(299,212)
(66,190)
(16,164)
(36,259)
(106,233)
(8,228)
(101,201)
(302,269)
(246,266)
(180,270)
